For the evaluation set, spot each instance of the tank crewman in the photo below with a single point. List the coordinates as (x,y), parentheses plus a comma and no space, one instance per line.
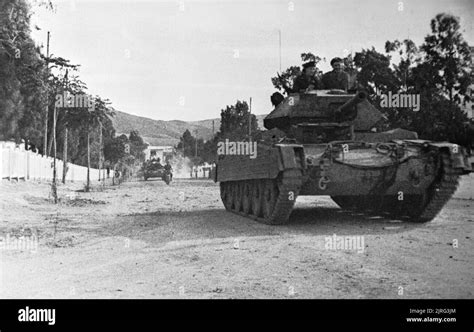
(337,78)
(158,162)
(169,169)
(307,81)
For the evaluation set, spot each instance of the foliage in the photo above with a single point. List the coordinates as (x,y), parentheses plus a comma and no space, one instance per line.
(137,146)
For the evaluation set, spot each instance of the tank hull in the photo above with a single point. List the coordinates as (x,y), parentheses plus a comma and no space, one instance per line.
(401,177)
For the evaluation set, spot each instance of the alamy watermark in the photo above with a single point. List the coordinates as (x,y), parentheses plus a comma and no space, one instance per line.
(237,148)
(22,243)
(336,242)
(401,100)
(69,100)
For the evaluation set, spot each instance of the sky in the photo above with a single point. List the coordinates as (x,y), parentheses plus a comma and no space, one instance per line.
(187,60)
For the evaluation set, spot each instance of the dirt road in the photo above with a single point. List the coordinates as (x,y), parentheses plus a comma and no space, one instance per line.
(148,240)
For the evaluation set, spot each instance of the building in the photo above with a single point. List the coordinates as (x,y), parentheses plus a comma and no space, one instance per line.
(157,151)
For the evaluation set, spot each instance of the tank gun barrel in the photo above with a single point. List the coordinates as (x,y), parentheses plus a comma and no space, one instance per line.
(348,111)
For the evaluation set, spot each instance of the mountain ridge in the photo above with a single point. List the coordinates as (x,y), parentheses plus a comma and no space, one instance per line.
(162,132)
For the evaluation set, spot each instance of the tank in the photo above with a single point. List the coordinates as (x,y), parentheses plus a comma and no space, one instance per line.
(326,142)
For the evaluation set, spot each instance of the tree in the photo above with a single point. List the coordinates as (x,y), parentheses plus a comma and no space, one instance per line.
(209,150)
(20,69)
(449,56)
(374,72)
(187,143)
(235,122)
(438,71)
(137,146)
(84,121)
(114,149)
(409,57)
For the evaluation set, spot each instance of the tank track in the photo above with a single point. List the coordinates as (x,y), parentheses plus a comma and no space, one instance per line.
(269,201)
(418,208)
(443,190)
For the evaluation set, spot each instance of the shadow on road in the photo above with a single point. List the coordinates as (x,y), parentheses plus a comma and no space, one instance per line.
(157,228)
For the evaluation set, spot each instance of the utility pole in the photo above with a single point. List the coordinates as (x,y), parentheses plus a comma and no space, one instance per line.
(54,190)
(54,186)
(212,128)
(65,137)
(45,146)
(88,183)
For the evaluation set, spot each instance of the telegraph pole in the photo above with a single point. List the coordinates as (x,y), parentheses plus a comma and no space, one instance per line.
(53,186)
(65,138)
(88,183)
(45,147)
(54,190)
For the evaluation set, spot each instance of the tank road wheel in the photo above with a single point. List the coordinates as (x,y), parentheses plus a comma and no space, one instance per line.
(257,193)
(269,201)
(247,197)
(270,195)
(226,195)
(237,196)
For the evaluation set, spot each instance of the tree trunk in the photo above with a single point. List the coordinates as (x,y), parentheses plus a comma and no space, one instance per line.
(45,143)
(50,143)
(65,156)
(88,161)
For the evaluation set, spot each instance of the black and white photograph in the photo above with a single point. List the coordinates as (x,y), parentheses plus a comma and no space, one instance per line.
(237,150)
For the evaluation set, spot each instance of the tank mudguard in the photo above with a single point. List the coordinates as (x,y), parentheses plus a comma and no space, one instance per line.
(269,162)
(457,154)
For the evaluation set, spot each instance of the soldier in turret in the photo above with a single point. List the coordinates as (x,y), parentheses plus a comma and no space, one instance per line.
(337,78)
(307,81)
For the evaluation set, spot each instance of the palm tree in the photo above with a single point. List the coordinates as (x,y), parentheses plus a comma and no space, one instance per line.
(88,119)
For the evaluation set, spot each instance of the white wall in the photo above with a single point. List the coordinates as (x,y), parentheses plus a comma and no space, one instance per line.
(16,163)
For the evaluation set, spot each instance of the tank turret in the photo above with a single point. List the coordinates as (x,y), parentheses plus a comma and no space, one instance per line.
(327,115)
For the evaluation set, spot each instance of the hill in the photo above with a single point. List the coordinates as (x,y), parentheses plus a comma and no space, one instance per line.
(160,132)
